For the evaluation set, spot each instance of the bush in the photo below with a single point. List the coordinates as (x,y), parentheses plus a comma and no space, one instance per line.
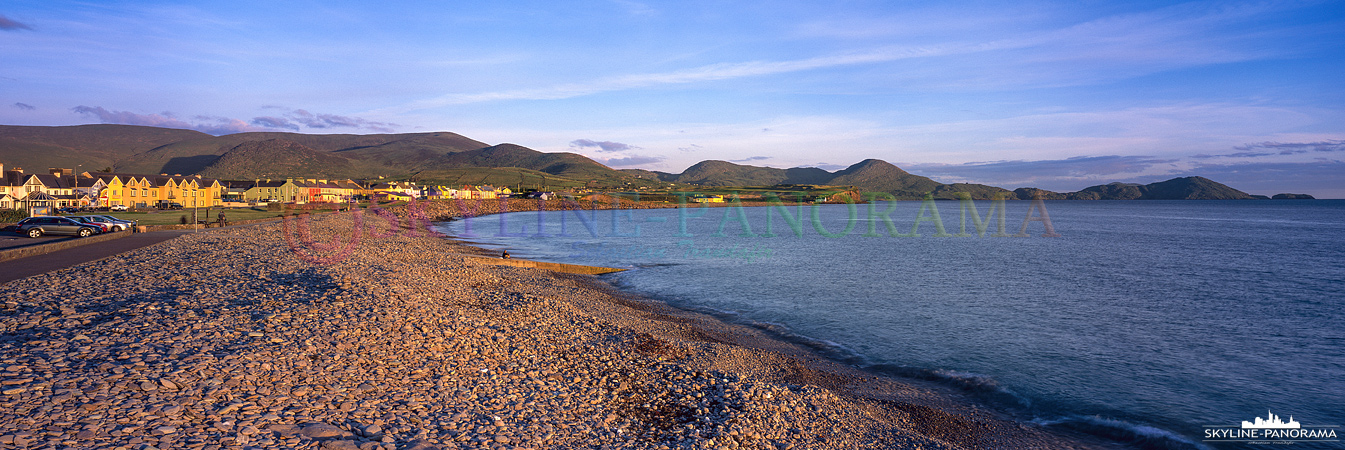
(12,215)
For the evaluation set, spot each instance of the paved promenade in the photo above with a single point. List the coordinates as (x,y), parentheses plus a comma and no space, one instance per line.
(33,265)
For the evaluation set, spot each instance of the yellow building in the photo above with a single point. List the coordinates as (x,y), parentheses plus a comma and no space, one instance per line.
(708,199)
(147,191)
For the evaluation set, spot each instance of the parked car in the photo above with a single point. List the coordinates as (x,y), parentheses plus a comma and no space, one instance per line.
(119,208)
(69,210)
(169,205)
(114,223)
(102,227)
(38,226)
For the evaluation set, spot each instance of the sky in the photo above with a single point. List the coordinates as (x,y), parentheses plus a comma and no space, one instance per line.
(1054,95)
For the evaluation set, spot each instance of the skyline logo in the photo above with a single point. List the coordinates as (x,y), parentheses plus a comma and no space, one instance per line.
(1271,430)
(1271,421)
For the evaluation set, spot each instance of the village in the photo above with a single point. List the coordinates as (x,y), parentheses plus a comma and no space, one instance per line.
(62,190)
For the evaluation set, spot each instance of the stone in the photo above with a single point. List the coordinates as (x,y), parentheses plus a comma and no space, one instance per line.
(322,431)
(340,445)
(421,445)
(285,430)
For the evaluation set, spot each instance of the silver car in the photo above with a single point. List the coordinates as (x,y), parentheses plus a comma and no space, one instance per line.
(114,223)
(38,226)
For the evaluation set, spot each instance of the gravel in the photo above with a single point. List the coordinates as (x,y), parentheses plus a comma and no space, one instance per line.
(231,339)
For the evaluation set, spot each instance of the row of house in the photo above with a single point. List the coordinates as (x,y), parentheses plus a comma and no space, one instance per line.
(320,190)
(61,188)
(292,190)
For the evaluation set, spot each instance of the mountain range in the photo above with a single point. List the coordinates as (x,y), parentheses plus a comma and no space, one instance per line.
(455,159)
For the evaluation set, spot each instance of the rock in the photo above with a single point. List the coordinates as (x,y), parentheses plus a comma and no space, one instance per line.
(340,445)
(322,431)
(421,445)
(165,430)
(284,430)
(15,391)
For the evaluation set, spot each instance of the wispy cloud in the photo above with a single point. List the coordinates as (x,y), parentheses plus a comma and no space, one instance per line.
(24,106)
(312,120)
(1291,148)
(206,124)
(691,148)
(829,167)
(751,158)
(636,8)
(712,72)
(274,122)
(8,24)
(602,146)
(632,160)
(1107,48)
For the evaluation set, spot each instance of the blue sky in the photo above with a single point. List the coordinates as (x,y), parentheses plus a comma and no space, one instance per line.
(1053,95)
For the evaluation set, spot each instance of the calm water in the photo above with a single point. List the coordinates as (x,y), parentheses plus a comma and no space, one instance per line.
(1143,321)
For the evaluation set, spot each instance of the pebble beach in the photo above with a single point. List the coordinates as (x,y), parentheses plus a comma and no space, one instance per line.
(306,334)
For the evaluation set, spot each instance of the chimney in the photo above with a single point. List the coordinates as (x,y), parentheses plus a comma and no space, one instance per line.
(60,172)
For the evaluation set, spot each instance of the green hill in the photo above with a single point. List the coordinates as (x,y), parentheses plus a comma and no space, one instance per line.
(1186,188)
(277,158)
(455,159)
(92,146)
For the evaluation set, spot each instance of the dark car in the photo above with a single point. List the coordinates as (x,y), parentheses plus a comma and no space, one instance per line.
(38,226)
(102,227)
(169,205)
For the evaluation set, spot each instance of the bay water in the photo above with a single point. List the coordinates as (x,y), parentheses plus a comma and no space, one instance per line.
(1144,322)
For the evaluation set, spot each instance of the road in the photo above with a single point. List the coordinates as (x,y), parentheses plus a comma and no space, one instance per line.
(33,265)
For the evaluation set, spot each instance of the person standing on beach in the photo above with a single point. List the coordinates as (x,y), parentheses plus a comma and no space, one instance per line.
(222,221)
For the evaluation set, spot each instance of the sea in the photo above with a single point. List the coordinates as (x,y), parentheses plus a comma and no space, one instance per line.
(1146,323)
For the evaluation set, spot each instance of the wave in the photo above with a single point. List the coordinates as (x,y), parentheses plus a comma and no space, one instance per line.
(983,387)
(1140,436)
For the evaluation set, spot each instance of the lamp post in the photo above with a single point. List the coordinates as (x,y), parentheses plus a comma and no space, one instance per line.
(75,193)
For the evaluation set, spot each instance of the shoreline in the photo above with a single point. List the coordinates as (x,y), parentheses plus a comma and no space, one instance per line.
(227,338)
(839,360)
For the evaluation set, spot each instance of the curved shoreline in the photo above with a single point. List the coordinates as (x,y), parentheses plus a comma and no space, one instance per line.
(814,355)
(237,337)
